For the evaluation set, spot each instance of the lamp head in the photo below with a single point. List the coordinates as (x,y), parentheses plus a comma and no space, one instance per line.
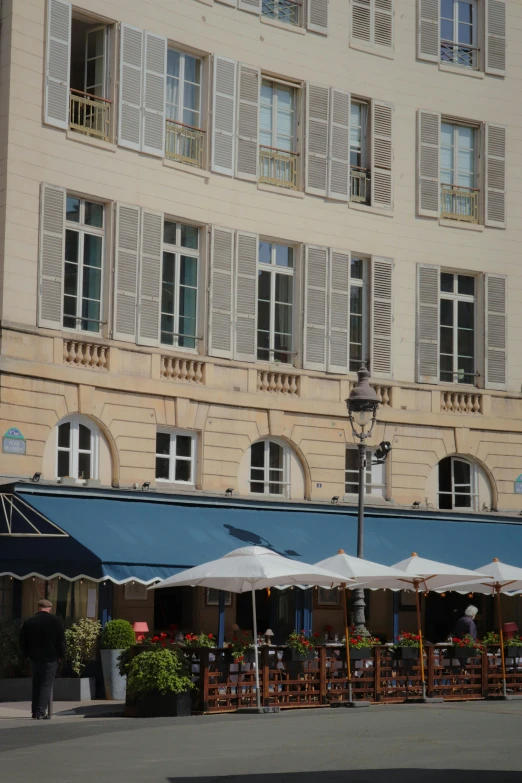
(363,401)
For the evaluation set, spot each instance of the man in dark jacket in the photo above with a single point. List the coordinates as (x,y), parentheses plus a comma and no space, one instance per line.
(466,625)
(42,640)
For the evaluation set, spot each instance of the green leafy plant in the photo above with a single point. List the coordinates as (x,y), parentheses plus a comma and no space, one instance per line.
(408,640)
(199,640)
(357,642)
(124,661)
(491,638)
(160,670)
(302,643)
(239,646)
(12,662)
(81,640)
(515,641)
(117,635)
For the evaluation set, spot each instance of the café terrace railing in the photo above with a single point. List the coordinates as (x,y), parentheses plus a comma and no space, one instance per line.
(90,114)
(224,686)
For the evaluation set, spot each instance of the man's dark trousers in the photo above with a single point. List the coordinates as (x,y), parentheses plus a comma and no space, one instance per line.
(43,673)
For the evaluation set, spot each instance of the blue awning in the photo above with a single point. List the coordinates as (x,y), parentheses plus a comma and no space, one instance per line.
(122,536)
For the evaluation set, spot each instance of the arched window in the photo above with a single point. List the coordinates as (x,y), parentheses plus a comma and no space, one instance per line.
(269,468)
(458,483)
(77,449)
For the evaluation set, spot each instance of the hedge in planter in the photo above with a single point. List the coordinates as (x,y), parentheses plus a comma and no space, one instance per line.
(159,681)
(81,639)
(116,636)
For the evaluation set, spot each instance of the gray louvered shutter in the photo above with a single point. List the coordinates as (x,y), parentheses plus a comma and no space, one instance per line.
(246,296)
(496,332)
(428,33)
(131,88)
(496,11)
(150,278)
(338,312)
(57,63)
(428,145)
(495,212)
(247,153)
(154,85)
(317,114)
(221,292)
(381,328)
(383,24)
(339,147)
(52,254)
(316,276)
(126,272)
(317,16)
(254,6)
(224,116)
(382,155)
(361,26)
(428,318)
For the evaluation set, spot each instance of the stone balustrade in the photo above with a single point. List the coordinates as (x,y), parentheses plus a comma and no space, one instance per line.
(459,402)
(80,354)
(278,383)
(188,370)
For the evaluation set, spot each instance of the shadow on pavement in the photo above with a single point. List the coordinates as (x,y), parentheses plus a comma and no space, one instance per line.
(109,710)
(367,776)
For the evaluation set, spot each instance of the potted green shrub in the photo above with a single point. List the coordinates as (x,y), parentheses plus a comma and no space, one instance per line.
(407,646)
(159,681)
(116,636)
(81,638)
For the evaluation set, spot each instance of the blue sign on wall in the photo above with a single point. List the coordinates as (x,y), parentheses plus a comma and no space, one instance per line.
(13,442)
(518,485)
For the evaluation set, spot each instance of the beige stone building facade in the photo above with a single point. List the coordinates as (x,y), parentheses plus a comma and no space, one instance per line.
(212,211)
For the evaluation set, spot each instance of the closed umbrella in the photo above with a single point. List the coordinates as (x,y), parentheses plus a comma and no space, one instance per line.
(252,568)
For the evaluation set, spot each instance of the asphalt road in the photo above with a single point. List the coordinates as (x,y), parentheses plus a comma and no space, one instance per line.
(467,742)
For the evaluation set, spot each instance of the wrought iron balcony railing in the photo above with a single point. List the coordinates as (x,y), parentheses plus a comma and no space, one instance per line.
(459,54)
(359,184)
(459,203)
(184,143)
(90,114)
(278,167)
(282,10)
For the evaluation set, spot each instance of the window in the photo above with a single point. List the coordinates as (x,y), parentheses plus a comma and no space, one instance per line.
(458,33)
(175,457)
(179,285)
(358,312)
(359,171)
(283,10)
(278,157)
(184,137)
(213,597)
(375,483)
(458,172)
(457,484)
(77,450)
(269,470)
(89,101)
(275,294)
(457,328)
(84,235)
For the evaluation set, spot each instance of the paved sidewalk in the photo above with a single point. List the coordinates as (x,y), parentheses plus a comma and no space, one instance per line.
(21,710)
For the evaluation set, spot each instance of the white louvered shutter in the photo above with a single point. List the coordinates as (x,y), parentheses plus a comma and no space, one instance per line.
(317,114)
(316,276)
(428,318)
(254,6)
(496,332)
(126,272)
(221,292)
(57,63)
(383,24)
(317,16)
(381,328)
(150,277)
(495,212)
(338,312)
(496,11)
(339,146)
(52,254)
(246,296)
(428,145)
(382,155)
(428,34)
(224,116)
(154,85)
(361,26)
(247,152)
(131,65)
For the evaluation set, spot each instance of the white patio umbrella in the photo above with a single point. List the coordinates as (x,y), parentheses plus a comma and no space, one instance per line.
(360,571)
(430,575)
(249,569)
(503,578)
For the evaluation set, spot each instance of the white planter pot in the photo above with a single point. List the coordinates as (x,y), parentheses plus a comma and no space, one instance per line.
(115,683)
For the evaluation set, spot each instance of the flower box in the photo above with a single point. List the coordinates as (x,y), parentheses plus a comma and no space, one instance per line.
(360,654)
(513,651)
(463,653)
(292,655)
(163,705)
(406,653)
